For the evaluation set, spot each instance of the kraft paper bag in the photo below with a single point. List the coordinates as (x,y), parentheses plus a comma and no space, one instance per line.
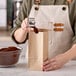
(37,49)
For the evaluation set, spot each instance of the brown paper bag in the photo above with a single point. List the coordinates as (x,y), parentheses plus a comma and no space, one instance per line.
(38,49)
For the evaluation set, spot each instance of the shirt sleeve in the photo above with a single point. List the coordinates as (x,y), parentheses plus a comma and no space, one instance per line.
(74,23)
(74,38)
(23,12)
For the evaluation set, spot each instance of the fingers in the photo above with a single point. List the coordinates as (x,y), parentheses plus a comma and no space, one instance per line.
(50,65)
(25,26)
(46,62)
(49,61)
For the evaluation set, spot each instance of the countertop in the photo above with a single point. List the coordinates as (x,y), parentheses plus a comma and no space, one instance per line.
(20,69)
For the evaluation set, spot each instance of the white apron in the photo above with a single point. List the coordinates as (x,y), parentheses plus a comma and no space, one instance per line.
(46,17)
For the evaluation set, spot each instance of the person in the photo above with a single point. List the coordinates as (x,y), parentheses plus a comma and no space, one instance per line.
(20,32)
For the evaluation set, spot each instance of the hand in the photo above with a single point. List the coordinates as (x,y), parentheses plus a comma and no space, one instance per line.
(55,63)
(25,25)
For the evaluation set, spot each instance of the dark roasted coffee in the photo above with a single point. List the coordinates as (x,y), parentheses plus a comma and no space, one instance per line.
(12,48)
(9,56)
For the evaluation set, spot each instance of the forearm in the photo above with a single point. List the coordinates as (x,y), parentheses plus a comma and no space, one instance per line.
(20,35)
(71,53)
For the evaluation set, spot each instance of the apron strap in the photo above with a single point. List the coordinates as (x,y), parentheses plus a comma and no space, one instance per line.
(37,2)
(70,1)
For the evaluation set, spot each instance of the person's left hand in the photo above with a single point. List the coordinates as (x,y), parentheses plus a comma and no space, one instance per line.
(55,63)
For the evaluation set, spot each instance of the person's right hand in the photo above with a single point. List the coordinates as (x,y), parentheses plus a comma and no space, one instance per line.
(25,25)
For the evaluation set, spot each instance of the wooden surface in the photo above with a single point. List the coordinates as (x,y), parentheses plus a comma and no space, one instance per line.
(38,50)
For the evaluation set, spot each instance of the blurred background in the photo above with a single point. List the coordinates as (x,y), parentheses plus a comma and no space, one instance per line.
(8,12)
